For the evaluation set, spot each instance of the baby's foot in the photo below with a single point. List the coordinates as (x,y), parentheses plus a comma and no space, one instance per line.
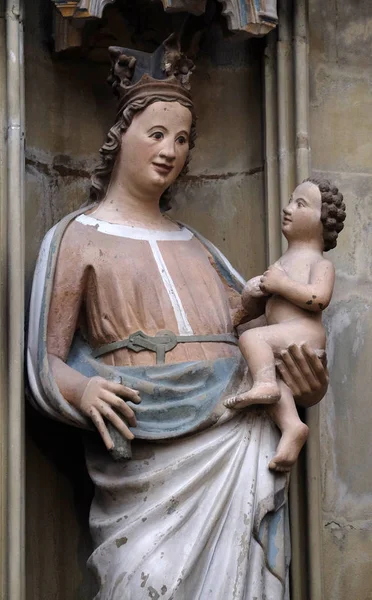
(266,393)
(263,393)
(291,442)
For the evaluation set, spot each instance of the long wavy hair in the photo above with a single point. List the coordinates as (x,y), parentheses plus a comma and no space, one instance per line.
(110,150)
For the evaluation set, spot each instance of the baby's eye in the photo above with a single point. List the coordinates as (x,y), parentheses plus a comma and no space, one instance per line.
(300,204)
(182,139)
(158,135)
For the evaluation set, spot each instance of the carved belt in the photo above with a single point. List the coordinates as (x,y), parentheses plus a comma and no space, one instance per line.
(162,342)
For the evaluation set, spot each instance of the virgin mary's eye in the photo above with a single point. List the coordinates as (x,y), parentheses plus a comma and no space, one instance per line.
(158,135)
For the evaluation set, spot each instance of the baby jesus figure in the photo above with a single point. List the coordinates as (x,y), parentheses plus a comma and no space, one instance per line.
(299,287)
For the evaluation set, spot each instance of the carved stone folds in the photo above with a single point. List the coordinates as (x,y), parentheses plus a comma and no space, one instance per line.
(256,17)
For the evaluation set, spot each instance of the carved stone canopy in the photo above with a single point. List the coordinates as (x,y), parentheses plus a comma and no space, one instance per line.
(256,17)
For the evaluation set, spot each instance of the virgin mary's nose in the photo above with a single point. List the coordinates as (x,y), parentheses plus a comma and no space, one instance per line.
(168,152)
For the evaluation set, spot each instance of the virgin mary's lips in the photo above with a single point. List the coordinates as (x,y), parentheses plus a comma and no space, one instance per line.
(162,168)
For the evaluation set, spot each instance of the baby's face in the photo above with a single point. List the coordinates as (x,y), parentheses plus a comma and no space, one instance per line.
(301,218)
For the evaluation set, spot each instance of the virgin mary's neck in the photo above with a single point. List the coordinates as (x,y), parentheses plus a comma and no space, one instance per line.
(125,206)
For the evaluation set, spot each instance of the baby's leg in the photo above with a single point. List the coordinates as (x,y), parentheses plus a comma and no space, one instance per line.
(294,431)
(256,349)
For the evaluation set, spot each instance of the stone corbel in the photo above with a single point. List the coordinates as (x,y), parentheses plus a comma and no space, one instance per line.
(82,9)
(70,18)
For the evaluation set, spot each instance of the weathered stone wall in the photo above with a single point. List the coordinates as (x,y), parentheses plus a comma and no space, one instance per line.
(341,125)
(69,109)
(223,194)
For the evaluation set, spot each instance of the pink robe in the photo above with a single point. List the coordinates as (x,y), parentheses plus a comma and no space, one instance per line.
(115,295)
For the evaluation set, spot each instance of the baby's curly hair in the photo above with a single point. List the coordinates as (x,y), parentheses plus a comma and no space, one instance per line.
(333,212)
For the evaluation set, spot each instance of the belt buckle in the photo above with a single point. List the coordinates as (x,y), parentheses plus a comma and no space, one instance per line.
(139,341)
(162,342)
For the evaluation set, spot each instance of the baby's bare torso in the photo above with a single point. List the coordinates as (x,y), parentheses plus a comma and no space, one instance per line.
(279,310)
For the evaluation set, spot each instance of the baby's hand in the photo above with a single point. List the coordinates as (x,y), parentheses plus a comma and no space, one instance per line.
(253,288)
(272,280)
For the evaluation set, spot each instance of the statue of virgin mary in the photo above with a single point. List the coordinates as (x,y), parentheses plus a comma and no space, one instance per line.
(133,334)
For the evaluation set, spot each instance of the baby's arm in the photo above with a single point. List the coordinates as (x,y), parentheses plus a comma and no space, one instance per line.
(253,299)
(314,296)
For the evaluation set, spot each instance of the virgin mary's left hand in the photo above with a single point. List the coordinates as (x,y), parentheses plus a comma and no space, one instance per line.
(305,374)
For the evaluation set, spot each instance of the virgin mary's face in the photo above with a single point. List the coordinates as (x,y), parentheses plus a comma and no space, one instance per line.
(155,146)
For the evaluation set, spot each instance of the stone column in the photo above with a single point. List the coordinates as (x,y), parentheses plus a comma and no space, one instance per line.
(3,288)
(12,496)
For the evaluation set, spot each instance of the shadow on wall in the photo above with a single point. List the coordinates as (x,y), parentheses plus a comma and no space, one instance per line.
(56,466)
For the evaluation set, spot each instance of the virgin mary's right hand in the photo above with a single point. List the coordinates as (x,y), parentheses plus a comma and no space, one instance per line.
(99,399)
